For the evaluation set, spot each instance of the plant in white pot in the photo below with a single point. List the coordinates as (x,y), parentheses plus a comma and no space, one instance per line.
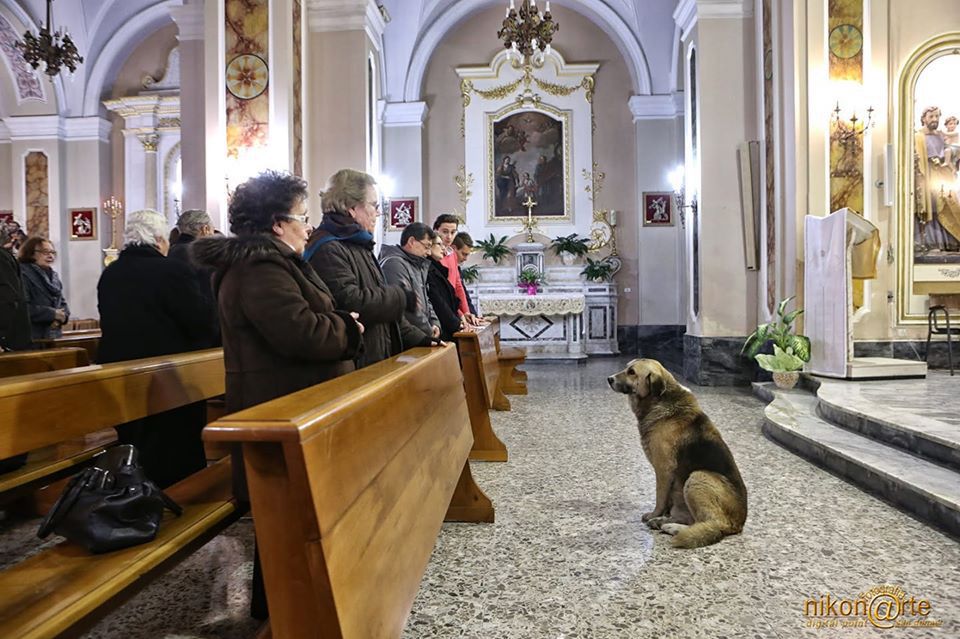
(790,350)
(570,247)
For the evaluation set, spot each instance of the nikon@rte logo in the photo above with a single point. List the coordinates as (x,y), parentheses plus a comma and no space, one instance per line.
(881,607)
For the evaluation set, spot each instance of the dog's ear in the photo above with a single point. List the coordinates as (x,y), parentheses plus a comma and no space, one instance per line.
(655,385)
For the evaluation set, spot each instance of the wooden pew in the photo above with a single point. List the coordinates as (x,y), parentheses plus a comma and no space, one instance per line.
(28,362)
(64,589)
(89,340)
(81,325)
(481,371)
(512,381)
(349,482)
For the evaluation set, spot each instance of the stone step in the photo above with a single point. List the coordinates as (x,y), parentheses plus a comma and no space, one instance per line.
(906,420)
(926,489)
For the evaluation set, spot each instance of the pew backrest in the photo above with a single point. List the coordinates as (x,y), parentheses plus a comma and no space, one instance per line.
(349,483)
(47,408)
(89,340)
(29,362)
(481,345)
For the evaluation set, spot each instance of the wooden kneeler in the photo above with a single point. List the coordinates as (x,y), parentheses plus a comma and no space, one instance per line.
(481,372)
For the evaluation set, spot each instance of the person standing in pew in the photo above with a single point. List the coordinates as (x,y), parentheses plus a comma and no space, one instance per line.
(43,289)
(463,247)
(194,224)
(341,251)
(408,265)
(149,306)
(443,297)
(281,328)
(14,316)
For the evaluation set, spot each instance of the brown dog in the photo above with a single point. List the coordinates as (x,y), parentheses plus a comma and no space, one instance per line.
(700,495)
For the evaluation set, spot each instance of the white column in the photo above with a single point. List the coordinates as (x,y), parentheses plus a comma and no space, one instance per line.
(149,142)
(403,153)
(658,135)
(190,22)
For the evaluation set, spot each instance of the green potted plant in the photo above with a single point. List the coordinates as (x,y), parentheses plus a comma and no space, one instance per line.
(569,247)
(790,350)
(470,274)
(530,281)
(494,249)
(597,270)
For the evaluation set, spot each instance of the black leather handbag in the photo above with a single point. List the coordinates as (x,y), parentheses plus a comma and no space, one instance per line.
(110,505)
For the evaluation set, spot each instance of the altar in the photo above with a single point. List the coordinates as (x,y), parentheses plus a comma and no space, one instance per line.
(567,319)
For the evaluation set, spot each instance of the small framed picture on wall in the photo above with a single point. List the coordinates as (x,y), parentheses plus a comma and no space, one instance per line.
(658,208)
(83,224)
(401,212)
(6,217)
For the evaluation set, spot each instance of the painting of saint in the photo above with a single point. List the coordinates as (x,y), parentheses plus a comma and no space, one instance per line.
(936,165)
(528,162)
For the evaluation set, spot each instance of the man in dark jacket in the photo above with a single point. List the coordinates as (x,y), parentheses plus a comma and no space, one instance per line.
(341,251)
(194,224)
(149,305)
(407,266)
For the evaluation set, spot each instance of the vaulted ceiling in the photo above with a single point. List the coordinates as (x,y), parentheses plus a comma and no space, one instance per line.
(106,31)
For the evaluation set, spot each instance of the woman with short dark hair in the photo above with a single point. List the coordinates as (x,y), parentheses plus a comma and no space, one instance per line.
(42,288)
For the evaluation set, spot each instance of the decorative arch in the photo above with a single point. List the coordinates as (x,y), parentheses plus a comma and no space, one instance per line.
(119,48)
(602,15)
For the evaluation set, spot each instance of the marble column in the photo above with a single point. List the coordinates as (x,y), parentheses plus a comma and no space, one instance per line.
(149,142)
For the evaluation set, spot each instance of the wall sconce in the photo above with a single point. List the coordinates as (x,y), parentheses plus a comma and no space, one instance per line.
(677,181)
(847,130)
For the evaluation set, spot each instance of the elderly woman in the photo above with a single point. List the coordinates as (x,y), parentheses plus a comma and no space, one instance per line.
(42,288)
(150,305)
(341,250)
(192,225)
(281,328)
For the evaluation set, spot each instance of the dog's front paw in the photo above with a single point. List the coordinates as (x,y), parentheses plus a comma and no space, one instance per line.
(648,516)
(656,522)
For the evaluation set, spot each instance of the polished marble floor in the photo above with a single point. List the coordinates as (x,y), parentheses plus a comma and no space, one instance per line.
(569,556)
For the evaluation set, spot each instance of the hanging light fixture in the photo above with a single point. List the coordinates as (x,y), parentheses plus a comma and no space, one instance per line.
(527,32)
(50,50)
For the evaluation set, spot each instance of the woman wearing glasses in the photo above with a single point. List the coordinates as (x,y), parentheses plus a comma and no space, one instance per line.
(43,289)
(341,249)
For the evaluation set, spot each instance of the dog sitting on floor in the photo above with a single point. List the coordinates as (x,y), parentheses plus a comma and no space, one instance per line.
(700,495)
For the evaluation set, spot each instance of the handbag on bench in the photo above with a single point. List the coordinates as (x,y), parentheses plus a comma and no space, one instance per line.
(110,505)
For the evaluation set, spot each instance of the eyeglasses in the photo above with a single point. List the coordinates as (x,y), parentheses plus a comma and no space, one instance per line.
(375,205)
(47,252)
(427,244)
(303,219)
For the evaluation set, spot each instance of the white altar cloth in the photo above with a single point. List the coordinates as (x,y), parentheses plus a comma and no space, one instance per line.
(530,305)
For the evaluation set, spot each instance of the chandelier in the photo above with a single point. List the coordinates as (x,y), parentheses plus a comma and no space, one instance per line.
(527,33)
(49,50)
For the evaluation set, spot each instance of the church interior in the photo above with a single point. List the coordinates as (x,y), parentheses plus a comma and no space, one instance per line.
(762,196)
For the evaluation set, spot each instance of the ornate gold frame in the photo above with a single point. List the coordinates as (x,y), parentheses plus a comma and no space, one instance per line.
(944,44)
(565,117)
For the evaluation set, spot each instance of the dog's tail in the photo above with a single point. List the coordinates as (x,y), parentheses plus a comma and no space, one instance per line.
(702,533)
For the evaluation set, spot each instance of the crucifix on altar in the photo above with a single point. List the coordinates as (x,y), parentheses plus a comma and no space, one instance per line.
(530,223)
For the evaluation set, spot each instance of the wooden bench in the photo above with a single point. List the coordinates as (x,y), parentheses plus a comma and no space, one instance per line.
(64,589)
(29,362)
(349,482)
(89,340)
(512,381)
(481,372)
(81,325)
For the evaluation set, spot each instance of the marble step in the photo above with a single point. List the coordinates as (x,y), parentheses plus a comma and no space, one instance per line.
(928,490)
(907,420)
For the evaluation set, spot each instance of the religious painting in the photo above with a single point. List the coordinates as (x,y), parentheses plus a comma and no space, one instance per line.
(401,212)
(83,224)
(658,208)
(529,164)
(6,217)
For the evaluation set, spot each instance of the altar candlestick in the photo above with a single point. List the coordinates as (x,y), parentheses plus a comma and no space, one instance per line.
(613,217)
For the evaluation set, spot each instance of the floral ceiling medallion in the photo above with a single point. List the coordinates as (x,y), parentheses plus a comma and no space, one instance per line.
(247,76)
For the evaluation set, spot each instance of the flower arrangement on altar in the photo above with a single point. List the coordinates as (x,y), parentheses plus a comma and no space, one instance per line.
(530,281)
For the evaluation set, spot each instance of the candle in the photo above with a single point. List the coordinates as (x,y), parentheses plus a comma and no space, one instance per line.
(548,6)
(613,217)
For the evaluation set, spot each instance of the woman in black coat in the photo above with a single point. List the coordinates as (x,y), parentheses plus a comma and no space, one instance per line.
(150,305)
(43,289)
(443,297)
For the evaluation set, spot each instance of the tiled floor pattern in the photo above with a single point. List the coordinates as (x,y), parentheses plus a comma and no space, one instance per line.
(569,556)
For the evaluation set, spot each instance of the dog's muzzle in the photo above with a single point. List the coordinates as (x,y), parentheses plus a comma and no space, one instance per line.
(612,380)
